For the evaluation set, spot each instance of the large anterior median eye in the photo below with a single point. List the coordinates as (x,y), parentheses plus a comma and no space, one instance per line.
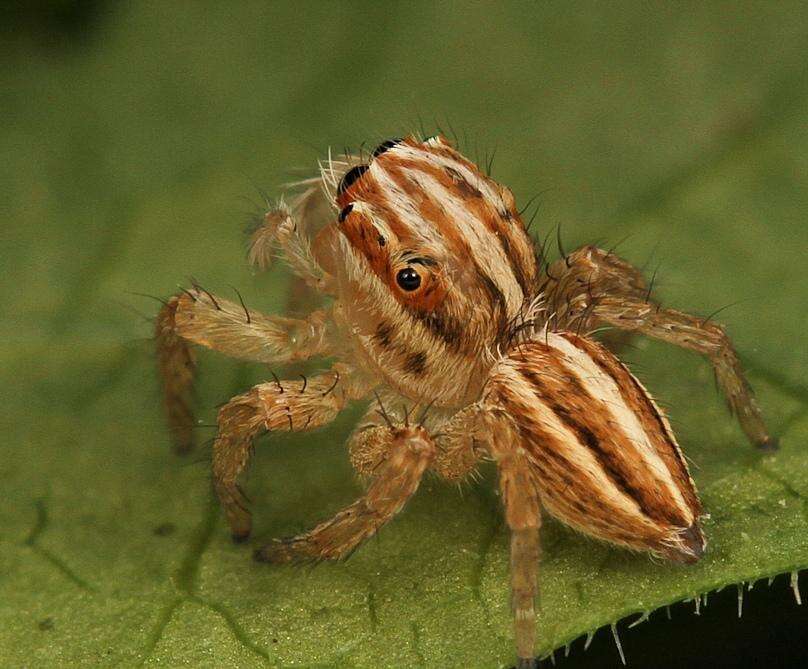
(408,279)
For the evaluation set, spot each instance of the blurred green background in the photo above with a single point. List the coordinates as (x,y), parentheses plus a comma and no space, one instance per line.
(134,139)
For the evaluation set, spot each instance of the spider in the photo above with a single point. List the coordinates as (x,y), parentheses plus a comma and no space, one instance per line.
(473,348)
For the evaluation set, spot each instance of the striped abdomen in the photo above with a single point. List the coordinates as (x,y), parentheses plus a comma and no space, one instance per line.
(605,459)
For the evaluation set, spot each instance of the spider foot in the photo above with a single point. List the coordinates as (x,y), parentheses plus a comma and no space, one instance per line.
(527,663)
(240,537)
(769,445)
(238,515)
(281,551)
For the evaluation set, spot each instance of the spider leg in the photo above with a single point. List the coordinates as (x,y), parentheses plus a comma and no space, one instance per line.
(280,229)
(198,317)
(395,479)
(280,406)
(459,445)
(591,287)
(292,229)
(176,363)
(520,499)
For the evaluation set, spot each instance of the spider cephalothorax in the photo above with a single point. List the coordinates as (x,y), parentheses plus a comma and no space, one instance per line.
(437,302)
(435,265)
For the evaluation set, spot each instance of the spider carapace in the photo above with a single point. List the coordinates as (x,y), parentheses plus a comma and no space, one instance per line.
(469,347)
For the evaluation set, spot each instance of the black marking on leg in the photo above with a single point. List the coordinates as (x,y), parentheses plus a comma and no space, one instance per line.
(281,551)
(769,445)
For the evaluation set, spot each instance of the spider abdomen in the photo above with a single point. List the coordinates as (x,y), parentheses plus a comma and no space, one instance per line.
(604,457)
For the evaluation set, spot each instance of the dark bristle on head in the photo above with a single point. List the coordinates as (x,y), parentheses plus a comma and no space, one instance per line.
(386,145)
(350,177)
(344,213)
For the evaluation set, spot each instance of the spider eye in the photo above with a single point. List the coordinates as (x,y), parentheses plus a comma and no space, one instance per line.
(385,146)
(350,177)
(408,279)
(344,213)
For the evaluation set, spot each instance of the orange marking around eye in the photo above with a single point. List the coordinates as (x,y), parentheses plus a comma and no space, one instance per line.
(364,237)
(434,216)
(429,296)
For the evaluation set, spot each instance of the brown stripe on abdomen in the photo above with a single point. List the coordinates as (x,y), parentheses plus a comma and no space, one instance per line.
(588,418)
(638,400)
(568,488)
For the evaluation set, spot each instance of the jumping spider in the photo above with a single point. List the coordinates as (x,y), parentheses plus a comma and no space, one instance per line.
(441,302)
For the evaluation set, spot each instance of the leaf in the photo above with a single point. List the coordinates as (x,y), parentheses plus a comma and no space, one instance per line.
(124,158)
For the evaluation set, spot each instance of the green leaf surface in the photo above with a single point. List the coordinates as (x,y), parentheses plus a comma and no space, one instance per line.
(124,158)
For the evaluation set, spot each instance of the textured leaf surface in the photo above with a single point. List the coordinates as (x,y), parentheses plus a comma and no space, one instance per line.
(123,162)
